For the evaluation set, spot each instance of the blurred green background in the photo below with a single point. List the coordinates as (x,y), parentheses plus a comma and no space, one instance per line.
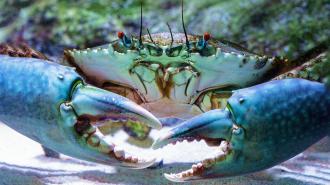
(273,27)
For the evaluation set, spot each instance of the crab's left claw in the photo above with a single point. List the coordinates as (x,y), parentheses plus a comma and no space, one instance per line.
(90,106)
(262,126)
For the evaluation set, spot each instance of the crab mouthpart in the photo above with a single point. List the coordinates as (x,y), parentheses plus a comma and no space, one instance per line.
(93,138)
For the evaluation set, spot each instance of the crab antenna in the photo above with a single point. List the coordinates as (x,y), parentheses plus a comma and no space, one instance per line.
(169,27)
(141,22)
(150,37)
(184,28)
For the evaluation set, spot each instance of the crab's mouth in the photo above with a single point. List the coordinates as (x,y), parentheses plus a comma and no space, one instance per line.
(221,147)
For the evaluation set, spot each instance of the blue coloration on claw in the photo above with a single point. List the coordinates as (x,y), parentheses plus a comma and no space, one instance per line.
(264,126)
(51,104)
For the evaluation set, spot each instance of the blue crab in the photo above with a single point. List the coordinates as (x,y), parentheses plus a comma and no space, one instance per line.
(162,76)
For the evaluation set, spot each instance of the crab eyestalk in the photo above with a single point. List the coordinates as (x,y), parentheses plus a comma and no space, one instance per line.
(262,126)
(51,104)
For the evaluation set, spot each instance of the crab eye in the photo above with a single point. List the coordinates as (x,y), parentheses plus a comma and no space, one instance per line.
(155,51)
(203,47)
(123,43)
(173,51)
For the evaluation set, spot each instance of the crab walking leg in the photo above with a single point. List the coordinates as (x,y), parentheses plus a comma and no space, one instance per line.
(50,104)
(262,126)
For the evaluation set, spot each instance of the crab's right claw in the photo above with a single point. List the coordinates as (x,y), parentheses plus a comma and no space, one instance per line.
(89,106)
(261,127)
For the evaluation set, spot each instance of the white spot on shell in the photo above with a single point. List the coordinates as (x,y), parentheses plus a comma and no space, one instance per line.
(66,107)
(227,54)
(241,100)
(105,51)
(60,76)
